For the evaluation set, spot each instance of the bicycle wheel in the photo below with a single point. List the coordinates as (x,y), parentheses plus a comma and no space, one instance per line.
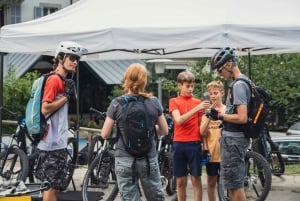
(166,170)
(255,190)
(276,162)
(100,182)
(33,160)
(271,154)
(94,148)
(72,149)
(15,167)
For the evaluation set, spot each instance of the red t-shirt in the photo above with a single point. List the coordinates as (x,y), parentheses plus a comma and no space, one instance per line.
(53,86)
(190,130)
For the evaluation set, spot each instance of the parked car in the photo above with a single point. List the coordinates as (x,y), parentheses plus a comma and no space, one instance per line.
(294,129)
(289,147)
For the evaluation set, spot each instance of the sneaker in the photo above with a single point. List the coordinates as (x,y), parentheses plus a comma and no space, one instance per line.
(21,187)
(175,198)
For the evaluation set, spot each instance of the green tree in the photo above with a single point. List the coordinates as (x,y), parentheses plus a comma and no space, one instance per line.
(279,74)
(16,91)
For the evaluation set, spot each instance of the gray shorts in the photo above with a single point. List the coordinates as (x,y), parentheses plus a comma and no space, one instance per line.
(53,167)
(233,151)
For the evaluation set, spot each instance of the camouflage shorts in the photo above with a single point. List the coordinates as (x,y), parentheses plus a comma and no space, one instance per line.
(53,167)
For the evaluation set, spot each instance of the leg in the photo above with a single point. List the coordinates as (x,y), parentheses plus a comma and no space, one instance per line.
(127,189)
(50,194)
(181,184)
(211,187)
(233,151)
(237,194)
(197,187)
(54,170)
(151,184)
(212,170)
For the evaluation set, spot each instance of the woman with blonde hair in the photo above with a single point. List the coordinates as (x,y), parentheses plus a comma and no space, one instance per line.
(129,169)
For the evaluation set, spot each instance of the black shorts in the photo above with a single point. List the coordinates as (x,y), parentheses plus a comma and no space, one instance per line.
(53,167)
(212,168)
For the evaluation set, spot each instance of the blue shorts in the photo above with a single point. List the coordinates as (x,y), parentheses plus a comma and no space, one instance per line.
(187,158)
(212,168)
(233,151)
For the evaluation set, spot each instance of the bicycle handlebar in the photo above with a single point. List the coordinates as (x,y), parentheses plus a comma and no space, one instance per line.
(101,115)
(11,113)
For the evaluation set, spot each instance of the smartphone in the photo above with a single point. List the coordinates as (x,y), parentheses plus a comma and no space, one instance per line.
(206,96)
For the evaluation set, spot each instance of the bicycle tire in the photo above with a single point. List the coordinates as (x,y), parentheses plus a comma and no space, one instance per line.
(72,149)
(255,190)
(277,164)
(94,148)
(171,187)
(165,162)
(15,167)
(99,184)
(33,159)
(273,155)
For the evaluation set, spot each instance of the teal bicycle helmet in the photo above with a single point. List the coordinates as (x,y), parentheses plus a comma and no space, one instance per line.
(221,57)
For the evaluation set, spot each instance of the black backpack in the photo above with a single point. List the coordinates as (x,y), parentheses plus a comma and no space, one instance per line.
(134,126)
(258,109)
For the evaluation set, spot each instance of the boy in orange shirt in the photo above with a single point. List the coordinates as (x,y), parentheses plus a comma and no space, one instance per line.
(187,112)
(211,133)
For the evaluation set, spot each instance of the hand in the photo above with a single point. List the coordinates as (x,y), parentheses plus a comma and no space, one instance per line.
(213,114)
(205,105)
(205,154)
(69,88)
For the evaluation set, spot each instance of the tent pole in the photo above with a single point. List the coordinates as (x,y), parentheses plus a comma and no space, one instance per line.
(249,63)
(1,93)
(77,102)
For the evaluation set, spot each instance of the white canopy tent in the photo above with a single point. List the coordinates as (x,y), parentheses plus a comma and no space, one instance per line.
(135,29)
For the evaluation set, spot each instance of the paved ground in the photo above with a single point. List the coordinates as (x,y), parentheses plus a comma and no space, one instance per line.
(286,188)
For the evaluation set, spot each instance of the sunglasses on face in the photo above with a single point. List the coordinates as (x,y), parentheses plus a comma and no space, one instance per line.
(220,69)
(73,57)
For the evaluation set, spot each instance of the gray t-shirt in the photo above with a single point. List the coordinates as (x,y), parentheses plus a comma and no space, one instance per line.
(241,96)
(57,131)
(155,110)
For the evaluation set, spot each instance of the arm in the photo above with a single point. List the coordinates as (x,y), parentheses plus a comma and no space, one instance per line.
(107,127)
(240,118)
(49,107)
(204,125)
(162,126)
(181,119)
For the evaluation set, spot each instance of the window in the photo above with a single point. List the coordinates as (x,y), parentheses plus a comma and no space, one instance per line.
(45,9)
(14,14)
(49,10)
(289,147)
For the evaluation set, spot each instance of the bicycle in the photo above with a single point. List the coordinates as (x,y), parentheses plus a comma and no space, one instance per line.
(268,149)
(97,141)
(257,179)
(100,180)
(165,158)
(13,161)
(29,158)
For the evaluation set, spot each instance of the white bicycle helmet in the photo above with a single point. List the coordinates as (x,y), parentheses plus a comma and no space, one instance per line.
(70,47)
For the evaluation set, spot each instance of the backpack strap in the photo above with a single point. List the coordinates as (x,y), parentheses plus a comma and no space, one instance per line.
(250,85)
(47,76)
(237,127)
